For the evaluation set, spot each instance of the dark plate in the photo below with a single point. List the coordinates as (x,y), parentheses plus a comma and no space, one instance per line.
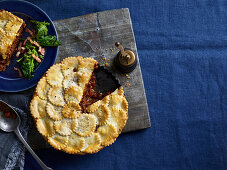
(9,79)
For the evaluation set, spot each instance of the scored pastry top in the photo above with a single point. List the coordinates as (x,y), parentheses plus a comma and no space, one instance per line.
(9,30)
(61,120)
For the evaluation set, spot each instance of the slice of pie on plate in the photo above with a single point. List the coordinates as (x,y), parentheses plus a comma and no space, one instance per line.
(71,114)
(11,28)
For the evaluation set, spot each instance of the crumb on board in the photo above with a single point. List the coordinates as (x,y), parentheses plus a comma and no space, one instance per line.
(127,85)
(127,76)
(105,62)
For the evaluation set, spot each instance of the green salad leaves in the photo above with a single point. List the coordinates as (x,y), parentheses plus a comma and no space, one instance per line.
(41,34)
(29,61)
(48,40)
(40,27)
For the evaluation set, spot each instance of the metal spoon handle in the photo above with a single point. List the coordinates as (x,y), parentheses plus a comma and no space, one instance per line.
(31,151)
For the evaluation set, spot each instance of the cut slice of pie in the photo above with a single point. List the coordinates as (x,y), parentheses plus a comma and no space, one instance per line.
(79,119)
(11,28)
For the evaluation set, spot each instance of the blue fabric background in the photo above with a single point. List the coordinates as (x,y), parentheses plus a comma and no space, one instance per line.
(182,47)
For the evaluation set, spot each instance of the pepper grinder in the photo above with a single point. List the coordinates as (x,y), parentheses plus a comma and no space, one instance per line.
(126,60)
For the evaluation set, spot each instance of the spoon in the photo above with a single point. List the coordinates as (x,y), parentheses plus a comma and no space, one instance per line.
(9,124)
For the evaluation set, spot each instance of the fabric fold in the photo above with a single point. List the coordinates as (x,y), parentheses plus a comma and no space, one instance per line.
(12,150)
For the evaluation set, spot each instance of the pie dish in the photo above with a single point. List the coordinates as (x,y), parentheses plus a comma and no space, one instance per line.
(69,112)
(11,28)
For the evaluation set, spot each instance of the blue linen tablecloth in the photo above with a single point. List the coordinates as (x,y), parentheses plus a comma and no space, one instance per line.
(182,47)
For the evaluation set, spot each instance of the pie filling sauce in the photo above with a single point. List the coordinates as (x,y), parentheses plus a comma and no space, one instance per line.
(5,111)
(91,94)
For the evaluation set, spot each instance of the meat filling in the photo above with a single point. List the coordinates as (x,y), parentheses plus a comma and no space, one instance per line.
(90,95)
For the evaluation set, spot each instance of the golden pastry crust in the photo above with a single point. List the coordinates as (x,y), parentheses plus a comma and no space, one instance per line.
(75,144)
(71,110)
(65,127)
(117,99)
(124,104)
(59,117)
(59,142)
(85,68)
(73,94)
(106,100)
(11,28)
(86,125)
(38,107)
(54,75)
(55,112)
(85,77)
(66,70)
(45,126)
(71,80)
(120,91)
(56,96)
(1,32)
(86,63)
(119,117)
(69,65)
(108,134)
(102,114)
(5,15)
(93,107)
(71,61)
(92,143)
(6,41)
(42,88)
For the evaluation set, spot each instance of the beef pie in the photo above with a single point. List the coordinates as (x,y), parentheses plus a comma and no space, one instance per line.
(71,114)
(11,28)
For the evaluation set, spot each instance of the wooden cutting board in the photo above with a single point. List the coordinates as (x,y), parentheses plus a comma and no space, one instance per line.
(94,35)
